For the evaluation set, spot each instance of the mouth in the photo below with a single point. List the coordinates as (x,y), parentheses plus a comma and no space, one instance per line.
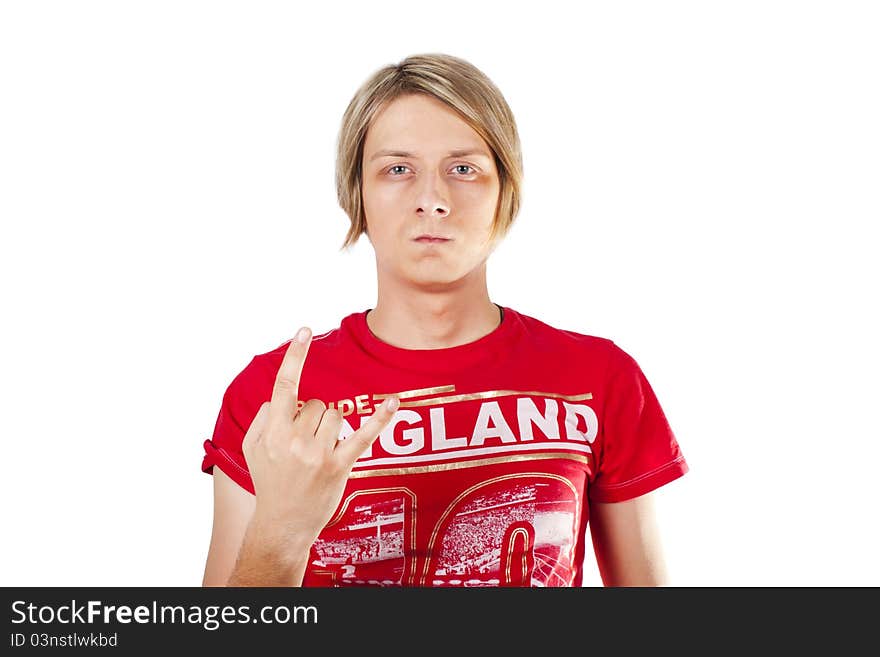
(427,239)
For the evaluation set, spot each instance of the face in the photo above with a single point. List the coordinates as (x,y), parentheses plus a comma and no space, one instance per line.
(426,171)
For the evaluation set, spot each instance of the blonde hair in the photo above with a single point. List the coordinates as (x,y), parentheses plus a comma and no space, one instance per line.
(461,86)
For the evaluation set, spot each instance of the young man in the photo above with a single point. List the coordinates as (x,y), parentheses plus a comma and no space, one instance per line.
(438,439)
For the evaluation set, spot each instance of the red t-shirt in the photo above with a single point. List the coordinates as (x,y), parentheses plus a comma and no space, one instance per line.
(484,476)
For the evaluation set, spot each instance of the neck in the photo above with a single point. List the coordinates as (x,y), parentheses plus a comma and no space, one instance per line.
(432,319)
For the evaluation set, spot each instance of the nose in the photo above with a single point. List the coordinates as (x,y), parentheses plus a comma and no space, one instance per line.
(433,197)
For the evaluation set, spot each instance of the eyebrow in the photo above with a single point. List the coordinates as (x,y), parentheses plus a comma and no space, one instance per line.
(462,152)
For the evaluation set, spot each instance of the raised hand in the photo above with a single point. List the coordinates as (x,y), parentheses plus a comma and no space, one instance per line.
(298,465)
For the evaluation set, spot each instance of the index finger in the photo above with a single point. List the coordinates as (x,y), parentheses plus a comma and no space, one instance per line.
(286,389)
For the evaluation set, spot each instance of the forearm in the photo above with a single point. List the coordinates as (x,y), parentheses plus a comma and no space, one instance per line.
(266,559)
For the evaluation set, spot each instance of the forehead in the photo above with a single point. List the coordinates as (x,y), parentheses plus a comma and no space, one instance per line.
(419,123)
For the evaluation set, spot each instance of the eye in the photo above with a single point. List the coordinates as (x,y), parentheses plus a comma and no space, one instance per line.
(471,171)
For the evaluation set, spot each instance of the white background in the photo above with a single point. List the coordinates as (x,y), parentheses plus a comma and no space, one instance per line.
(701,186)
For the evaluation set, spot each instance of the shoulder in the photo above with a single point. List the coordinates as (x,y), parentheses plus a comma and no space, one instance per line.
(567,340)
(578,348)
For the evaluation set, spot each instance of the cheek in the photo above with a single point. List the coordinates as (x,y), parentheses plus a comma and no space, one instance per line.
(482,202)
(377,194)
(381,194)
(482,198)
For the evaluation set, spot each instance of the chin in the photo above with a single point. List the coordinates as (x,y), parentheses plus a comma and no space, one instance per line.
(436,277)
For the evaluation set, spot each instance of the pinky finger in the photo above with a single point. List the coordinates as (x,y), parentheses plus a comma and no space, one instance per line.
(358,442)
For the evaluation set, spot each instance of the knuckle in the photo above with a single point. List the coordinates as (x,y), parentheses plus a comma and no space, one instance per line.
(285,383)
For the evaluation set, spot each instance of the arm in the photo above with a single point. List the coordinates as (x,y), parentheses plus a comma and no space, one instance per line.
(242,552)
(627,544)
(266,560)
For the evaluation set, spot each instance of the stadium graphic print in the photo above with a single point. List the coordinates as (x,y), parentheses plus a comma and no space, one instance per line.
(511,533)
(505,522)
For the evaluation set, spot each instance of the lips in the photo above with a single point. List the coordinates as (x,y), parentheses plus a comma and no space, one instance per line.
(431,238)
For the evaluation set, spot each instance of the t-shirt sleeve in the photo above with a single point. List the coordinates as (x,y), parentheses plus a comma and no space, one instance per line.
(639,451)
(237,410)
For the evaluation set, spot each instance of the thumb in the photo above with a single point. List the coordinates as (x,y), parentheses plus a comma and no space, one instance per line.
(255,430)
